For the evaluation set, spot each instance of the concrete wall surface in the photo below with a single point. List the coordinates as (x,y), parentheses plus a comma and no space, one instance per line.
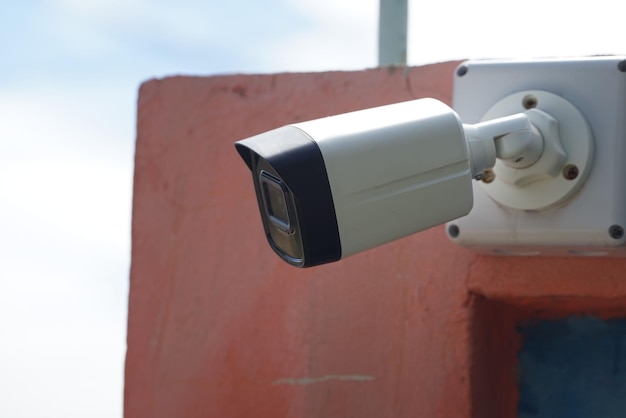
(220,327)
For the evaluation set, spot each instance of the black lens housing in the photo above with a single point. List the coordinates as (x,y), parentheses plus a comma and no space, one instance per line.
(294,196)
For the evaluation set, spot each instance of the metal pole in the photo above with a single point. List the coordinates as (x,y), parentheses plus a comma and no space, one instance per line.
(392,32)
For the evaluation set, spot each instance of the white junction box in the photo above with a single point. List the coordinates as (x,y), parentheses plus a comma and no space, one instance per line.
(572,202)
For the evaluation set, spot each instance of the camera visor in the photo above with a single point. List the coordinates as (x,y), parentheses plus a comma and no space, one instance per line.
(275,203)
(294,196)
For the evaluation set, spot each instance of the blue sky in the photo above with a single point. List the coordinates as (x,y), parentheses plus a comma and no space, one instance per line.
(69,75)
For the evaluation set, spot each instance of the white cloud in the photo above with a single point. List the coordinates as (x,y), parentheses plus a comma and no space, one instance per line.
(441,31)
(343,35)
(60,155)
(64,255)
(184,22)
(68,365)
(93,28)
(359,13)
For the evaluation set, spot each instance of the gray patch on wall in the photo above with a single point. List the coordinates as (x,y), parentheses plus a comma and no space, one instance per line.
(574,368)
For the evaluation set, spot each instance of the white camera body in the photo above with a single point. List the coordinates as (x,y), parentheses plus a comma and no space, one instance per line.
(392,171)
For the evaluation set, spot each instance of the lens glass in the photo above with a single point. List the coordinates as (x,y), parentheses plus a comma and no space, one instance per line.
(274,191)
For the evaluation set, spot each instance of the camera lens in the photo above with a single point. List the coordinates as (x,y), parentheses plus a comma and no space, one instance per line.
(275,203)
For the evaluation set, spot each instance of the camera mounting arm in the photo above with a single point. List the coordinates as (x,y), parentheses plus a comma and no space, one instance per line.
(512,139)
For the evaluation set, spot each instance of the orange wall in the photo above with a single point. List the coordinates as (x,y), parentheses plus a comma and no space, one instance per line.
(220,327)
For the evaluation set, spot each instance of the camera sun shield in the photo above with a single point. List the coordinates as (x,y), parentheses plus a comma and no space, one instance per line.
(294,196)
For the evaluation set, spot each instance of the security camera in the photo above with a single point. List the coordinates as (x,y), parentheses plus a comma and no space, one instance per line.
(336,186)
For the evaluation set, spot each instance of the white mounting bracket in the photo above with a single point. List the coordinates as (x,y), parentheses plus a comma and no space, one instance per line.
(564,163)
(572,200)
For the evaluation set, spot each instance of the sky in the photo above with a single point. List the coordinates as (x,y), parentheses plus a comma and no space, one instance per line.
(69,75)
